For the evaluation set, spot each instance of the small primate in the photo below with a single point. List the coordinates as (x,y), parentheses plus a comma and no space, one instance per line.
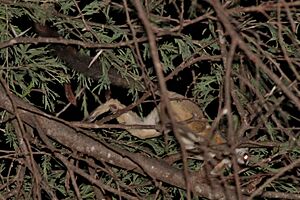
(193,127)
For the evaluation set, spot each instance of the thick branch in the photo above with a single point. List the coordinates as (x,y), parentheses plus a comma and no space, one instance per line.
(81,63)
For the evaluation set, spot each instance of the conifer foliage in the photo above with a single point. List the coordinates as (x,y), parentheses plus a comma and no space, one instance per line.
(238,60)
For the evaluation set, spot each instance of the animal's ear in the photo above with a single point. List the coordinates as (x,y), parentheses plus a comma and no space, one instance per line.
(110,105)
(115,105)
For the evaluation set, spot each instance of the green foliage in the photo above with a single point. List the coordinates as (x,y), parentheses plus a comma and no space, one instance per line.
(205,90)
(10,136)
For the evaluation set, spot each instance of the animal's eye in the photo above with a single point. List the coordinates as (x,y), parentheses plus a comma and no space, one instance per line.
(242,155)
(246,158)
